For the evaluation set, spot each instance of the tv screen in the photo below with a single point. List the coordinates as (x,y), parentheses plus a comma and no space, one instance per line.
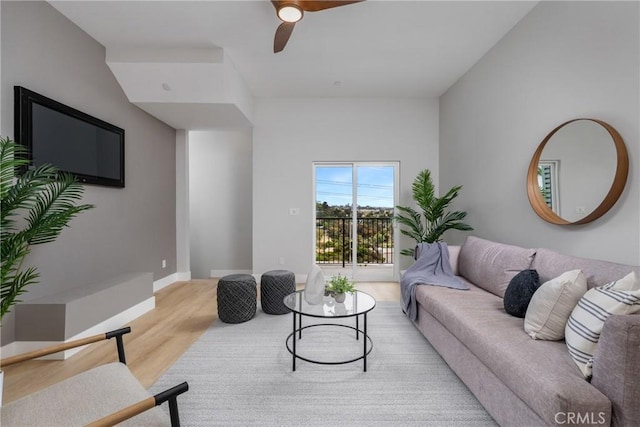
(72,141)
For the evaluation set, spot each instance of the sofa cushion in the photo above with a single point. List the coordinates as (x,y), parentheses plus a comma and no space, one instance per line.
(584,327)
(552,304)
(492,265)
(519,292)
(454,253)
(550,264)
(541,373)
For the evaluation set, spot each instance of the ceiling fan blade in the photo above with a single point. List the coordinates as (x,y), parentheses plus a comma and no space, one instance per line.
(282,36)
(314,6)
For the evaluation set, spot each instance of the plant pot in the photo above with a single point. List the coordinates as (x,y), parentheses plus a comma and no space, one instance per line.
(340,297)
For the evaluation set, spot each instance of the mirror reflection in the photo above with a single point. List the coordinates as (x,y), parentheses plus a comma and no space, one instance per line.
(578,172)
(576,169)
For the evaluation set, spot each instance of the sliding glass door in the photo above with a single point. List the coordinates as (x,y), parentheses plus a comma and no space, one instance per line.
(354,229)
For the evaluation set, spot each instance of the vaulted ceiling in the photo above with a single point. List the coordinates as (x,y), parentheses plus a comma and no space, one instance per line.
(162,52)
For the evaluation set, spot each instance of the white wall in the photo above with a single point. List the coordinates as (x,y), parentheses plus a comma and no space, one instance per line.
(290,134)
(564,60)
(220,202)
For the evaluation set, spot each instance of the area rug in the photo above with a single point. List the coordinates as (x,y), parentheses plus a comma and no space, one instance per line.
(241,375)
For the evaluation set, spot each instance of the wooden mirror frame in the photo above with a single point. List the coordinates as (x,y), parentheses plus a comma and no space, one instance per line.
(619,181)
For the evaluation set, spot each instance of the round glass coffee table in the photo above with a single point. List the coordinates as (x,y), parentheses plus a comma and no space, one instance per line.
(355,305)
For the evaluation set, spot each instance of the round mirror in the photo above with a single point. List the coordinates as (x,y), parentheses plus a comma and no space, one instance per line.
(578,172)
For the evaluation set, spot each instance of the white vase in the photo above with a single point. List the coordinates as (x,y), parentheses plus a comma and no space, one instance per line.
(314,287)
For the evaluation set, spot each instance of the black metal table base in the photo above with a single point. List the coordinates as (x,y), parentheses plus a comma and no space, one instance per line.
(366,349)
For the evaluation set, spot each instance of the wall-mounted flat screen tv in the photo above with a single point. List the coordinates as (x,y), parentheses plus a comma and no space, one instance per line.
(89,148)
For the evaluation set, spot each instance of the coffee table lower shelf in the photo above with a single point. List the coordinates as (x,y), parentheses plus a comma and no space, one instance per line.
(367,345)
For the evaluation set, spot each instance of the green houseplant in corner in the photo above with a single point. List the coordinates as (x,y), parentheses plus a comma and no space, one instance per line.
(35,206)
(429,225)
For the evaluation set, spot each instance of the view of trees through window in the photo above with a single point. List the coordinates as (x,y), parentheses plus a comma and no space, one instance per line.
(334,215)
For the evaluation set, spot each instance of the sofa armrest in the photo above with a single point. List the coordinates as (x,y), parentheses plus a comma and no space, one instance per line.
(454,251)
(616,365)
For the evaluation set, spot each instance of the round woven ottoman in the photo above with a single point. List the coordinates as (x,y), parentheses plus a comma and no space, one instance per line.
(274,286)
(237,298)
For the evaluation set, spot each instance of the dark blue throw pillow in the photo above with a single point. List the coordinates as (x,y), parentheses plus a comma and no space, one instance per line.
(519,292)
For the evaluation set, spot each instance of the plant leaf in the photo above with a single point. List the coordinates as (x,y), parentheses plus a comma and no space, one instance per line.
(34,208)
(434,220)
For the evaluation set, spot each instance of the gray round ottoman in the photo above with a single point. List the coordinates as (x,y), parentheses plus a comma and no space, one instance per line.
(237,298)
(274,286)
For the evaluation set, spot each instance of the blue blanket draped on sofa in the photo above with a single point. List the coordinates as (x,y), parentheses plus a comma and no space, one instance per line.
(431,268)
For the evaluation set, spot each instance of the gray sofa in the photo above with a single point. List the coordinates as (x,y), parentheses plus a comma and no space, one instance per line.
(519,380)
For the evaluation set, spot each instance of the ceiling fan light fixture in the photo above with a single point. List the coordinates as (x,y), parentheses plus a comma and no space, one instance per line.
(290,13)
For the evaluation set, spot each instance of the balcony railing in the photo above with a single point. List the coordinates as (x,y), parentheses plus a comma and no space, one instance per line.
(334,238)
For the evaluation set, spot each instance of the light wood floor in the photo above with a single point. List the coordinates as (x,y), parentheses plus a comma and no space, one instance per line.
(183,312)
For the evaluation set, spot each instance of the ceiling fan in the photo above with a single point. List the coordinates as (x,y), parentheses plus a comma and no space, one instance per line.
(292,11)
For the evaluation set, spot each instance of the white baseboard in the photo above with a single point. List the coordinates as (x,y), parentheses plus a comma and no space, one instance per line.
(180,276)
(115,322)
(222,273)
(183,276)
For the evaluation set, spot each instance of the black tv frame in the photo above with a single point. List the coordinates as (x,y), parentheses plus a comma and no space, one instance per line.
(23,130)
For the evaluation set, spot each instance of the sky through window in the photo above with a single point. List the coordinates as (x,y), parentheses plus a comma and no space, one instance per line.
(334,185)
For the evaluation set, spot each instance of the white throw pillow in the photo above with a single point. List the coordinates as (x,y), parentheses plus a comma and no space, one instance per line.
(314,287)
(587,319)
(552,304)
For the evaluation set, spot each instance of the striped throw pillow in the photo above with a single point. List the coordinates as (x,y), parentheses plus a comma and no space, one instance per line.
(587,318)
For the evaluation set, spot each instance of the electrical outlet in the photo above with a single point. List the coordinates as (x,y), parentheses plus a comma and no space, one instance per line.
(164,263)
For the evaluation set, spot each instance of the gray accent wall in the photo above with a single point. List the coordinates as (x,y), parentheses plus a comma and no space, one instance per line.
(183,254)
(564,60)
(132,229)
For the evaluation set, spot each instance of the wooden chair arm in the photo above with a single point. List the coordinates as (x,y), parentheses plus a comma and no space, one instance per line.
(144,405)
(62,347)
(125,414)
(169,395)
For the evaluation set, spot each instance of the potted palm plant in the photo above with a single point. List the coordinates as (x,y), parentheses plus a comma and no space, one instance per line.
(429,224)
(35,206)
